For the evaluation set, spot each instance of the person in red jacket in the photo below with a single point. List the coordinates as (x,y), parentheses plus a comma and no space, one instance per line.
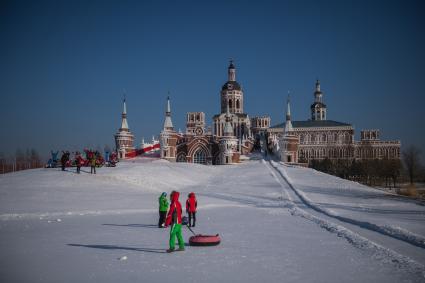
(191,205)
(174,218)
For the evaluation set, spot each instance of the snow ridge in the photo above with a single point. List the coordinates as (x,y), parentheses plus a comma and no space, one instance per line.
(375,250)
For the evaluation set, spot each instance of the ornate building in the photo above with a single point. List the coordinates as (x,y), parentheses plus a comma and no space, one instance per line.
(232,134)
(320,138)
(124,138)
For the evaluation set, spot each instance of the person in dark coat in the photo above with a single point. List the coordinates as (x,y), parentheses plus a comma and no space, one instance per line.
(191,205)
(78,161)
(64,159)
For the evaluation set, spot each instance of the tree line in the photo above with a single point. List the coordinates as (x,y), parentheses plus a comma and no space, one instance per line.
(21,160)
(376,172)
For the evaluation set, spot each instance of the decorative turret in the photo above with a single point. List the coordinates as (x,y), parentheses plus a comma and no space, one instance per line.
(124,138)
(288,142)
(168,124)
(318,108)
(124,124)
(168,137)
(231,92)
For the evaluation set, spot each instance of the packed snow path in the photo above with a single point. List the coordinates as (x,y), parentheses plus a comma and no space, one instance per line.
(277,223)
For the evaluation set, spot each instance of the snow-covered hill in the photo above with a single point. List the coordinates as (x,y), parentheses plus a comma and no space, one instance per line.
(277,223)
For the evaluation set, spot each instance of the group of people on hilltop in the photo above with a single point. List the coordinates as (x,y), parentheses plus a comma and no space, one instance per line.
(174,216)
(87,158)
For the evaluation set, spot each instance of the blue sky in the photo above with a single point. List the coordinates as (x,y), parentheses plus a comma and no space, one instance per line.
(64,65)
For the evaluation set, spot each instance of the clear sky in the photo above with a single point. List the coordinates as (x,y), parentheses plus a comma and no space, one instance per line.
(64,65)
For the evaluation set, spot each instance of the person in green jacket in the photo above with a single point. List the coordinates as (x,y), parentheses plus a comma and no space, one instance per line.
(163,207)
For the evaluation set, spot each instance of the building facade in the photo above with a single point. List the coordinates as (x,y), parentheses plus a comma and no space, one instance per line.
(233,134)
(319,138)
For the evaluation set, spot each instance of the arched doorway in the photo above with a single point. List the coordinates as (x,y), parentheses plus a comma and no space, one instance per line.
(200,157)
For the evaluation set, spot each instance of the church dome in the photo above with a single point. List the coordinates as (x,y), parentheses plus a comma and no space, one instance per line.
(231,85)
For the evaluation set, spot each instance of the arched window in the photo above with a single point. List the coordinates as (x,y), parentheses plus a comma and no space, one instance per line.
(230,104)
(200,157)
(237,104)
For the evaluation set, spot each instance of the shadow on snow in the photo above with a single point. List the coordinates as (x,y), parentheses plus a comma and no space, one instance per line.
(134,225)
(112,247)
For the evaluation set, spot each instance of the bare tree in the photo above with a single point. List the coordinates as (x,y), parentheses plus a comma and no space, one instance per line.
(412,161)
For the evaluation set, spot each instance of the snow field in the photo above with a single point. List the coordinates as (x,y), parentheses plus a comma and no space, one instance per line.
(107,230)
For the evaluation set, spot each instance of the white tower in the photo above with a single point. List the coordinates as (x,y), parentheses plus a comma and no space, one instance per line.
(168,124)
(168,139)
(288,123)
(288,142)
(124,138)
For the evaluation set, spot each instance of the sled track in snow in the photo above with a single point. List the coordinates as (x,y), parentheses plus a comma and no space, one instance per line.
(377,251)
(402,235)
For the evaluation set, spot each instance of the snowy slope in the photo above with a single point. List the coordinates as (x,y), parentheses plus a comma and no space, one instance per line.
(357,204)
(62,227)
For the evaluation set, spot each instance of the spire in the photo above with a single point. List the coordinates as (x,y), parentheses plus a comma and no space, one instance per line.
(317,85)
(168,124)
(318,95)
(231,71)
(288,123)
(168,104)
(288,108)
(124,124)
